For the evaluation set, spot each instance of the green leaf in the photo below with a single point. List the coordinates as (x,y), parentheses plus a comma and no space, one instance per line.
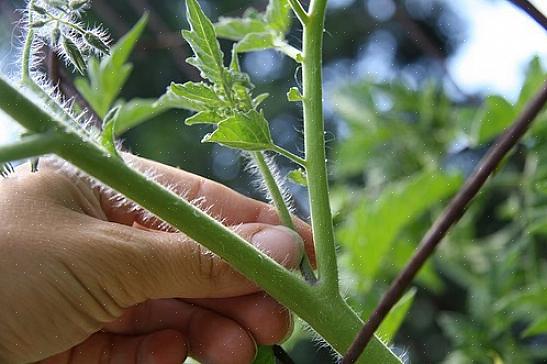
(498,114)
(257,101)
(389,327)
(535,77)
(108,137)
(194,96)
(372,228)
(204,117)
(538,227)
(238,28)
(278,15)
(202,38)
(248,131)
(298,176)
(294,94)
(265,355)
(136,112)
(107,78)
(537,327)
(256,42)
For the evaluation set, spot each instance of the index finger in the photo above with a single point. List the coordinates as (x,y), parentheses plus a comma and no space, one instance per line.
(221,202)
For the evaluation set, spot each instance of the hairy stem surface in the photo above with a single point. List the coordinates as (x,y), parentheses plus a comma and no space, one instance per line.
(329,316)
(282,209)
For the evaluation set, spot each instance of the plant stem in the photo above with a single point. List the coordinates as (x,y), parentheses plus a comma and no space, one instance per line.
(281,206)
(296,159)
(329,316)
(30,146)
(314,141)
(299,11)
(27,47)
(450,216)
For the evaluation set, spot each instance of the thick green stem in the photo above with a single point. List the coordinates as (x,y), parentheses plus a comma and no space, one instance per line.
(282,209)
(329,316)
(321,218)
(31,146)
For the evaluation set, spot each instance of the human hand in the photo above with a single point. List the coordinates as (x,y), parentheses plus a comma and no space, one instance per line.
(84,281)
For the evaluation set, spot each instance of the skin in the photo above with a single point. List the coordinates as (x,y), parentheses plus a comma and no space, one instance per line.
(84,281)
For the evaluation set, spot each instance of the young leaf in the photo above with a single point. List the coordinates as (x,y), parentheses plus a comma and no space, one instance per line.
(202,38)
(194,96)
(238,28)
(298,176)
(107,78)
(389,327)
(108,137)
(294,95)
(137,111)
(278,15)
(204,117)
(257,101)
(256,41)
(248,131)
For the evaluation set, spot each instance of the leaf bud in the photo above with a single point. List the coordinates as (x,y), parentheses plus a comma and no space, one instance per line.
(96,42)
(74,55)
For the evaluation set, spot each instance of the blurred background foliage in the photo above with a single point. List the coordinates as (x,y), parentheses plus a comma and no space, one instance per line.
(399,146)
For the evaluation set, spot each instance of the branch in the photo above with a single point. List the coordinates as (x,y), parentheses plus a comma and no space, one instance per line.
(28,147)
(450,216)
(276,197)
(290,156)
(299,11)
(532,11)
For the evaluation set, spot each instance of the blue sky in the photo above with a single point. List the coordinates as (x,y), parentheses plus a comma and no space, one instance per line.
(500,42)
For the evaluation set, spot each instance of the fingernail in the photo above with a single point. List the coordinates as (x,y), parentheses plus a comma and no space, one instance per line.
(282,244)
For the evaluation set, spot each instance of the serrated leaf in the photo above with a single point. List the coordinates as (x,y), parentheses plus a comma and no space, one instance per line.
(298,176)
(248,131)
(257,41)
(264,355)
(202,38)
(278,15)
(294,94)
(204,117)
(107,78)
(194,96)
(136,112)
(389,327)
(238,28)
(371,229)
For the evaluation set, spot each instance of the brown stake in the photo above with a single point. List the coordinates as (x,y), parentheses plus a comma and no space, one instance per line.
(446,220)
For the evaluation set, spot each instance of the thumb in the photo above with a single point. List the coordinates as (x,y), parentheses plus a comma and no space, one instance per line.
(139,264)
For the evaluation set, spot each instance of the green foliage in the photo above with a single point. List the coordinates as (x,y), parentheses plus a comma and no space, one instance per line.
(495,256)
(298,176)
(258,31)
(247,131)
(395,318)
(107,77)
(377,221)
(265,355)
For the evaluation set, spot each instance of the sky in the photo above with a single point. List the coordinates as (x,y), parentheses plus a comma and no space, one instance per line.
(500,42)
